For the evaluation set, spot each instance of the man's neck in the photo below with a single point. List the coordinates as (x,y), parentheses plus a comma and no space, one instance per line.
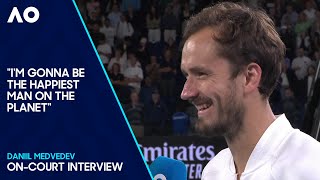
(256,121)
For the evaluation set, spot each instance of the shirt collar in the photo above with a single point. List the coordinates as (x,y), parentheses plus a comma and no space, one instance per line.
(266,147)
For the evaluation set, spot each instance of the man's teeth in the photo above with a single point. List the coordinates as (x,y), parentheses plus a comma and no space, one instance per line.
(203,107)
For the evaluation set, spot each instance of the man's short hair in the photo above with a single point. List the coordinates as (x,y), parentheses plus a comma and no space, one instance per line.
(243,35)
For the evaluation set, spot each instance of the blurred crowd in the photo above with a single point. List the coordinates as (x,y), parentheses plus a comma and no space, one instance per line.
(139,43)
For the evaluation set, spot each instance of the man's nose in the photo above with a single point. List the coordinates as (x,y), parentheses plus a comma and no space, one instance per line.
(190,90)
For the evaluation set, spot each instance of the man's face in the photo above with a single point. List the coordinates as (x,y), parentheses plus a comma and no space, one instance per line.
(115,8)
(167,55)
(210,88)
(95,27)
(153,59)
(289,9)
(155,97)
(107,22)
(316,55)
(300,52)
(134,97)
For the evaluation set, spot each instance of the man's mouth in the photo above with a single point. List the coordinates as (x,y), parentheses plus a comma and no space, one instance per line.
(203,106)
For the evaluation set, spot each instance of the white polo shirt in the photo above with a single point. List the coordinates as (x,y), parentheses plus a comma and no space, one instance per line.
(282,153)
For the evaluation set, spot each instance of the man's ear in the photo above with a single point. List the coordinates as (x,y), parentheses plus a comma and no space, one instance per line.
(252,77)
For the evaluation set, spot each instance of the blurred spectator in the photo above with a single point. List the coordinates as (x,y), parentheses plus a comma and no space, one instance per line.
(94,19)
(118,58)
(108,31)
(291,16)
(124,28)
(152,70)
(315,33)
(162,4)
(303,24)
(104,50)
(300,67)
(114,16)
(185,15)
(111,3)
(303,41)
(169,24)
(82,6)
(153,25)
(310,11)
(142,53)
(284,77)
(127,4)
(291,109)
(311,76)
(176,8)
(274,16)
(167,76)
(146,91)
(134,110)
(93,8)
(289,38)
(133,74)
(300,64)
(137,21)
(96,36)
(192,4)
(127,45)
(115,75)
(103,6)
(117,80)
(156,115)
(171,45)
(316,58)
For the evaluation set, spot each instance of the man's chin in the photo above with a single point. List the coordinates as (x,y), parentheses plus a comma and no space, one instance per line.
(209,130)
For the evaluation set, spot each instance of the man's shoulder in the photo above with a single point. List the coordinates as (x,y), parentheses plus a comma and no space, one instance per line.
(307,59)
(298,157)
(296,60)
(218,163)
(302,143)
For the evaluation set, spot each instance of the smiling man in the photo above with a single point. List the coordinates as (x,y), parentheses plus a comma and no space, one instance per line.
(232,59)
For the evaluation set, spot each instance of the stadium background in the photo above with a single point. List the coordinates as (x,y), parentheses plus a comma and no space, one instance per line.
(139,43)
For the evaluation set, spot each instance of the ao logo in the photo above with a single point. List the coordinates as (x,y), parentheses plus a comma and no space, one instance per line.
(160,177)
(15,14)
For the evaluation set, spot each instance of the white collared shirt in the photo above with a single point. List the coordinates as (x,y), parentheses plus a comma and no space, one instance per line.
(303,63)
(282,153)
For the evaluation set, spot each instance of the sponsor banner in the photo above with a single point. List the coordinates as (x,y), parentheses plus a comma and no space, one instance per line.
(194,151)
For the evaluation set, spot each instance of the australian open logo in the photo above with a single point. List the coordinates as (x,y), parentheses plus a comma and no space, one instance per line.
(30,15)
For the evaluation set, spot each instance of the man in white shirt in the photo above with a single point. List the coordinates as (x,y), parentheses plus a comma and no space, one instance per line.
(109,32)
(104,50)
(134,74)
(232,59)
(300,64)
(119,59)
(114,16)
(291,14)
(310,11)
(124,28)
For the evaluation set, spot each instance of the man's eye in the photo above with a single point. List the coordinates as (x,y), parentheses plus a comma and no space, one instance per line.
(201,75)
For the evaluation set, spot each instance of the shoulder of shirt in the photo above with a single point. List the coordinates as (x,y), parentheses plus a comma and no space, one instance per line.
(297,157)
(218,163)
